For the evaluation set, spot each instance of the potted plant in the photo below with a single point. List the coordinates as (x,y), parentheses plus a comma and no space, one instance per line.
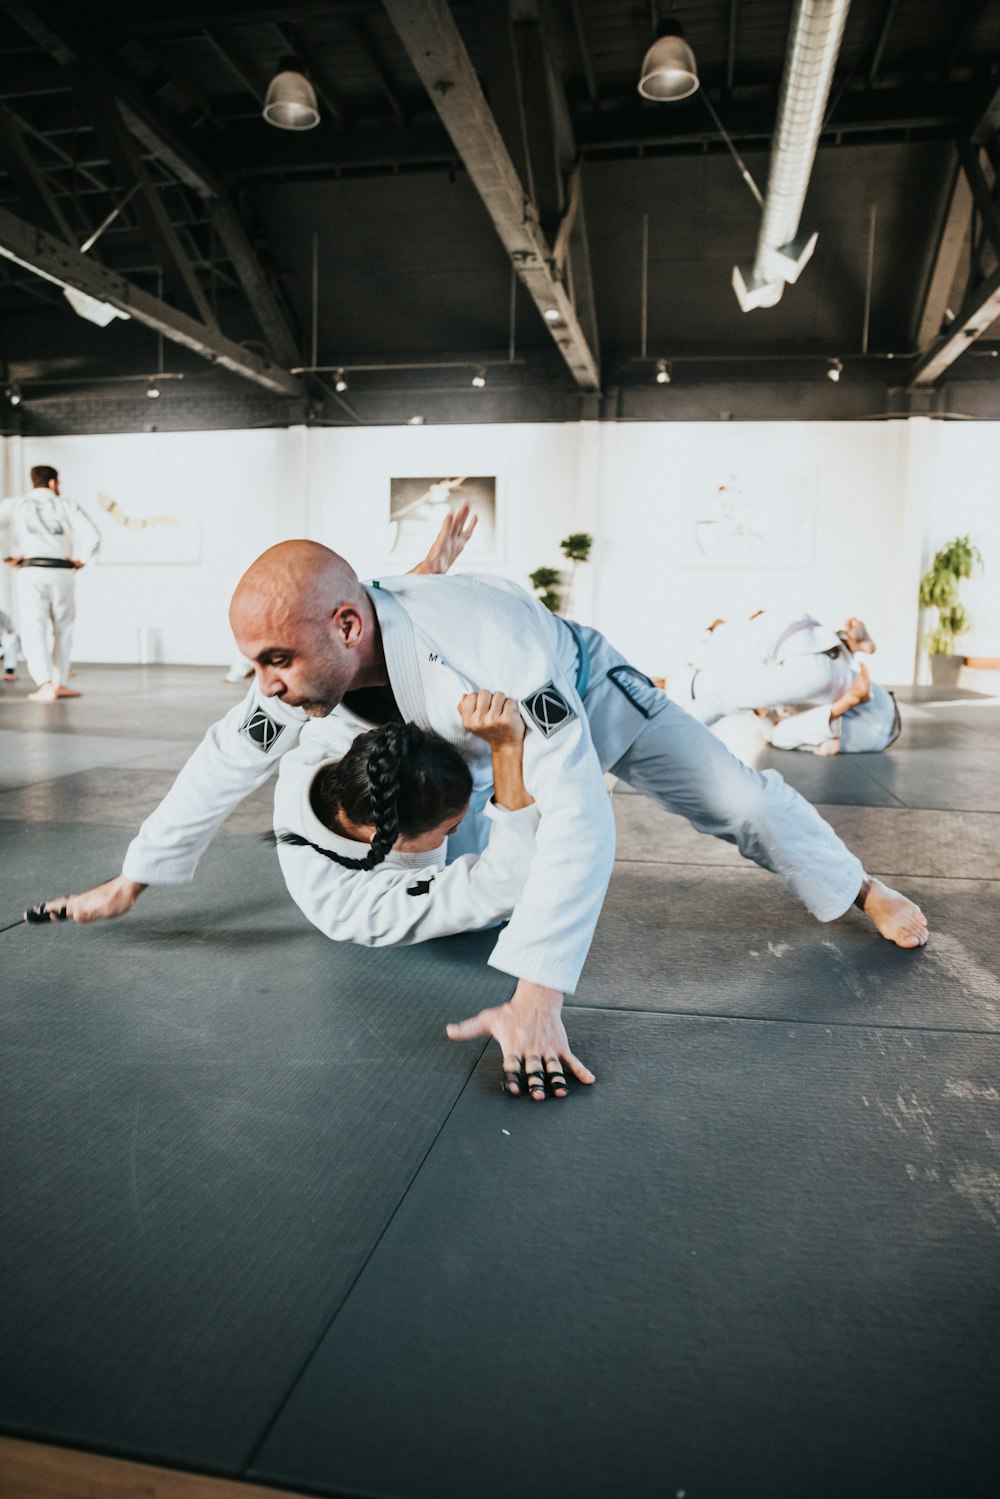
(546,582)
(939,590)
(576,549)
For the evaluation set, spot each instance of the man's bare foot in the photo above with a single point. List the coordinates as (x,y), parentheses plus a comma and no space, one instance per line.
(828,747)
(898,919)
(47,693)
(858,638)
(67,692)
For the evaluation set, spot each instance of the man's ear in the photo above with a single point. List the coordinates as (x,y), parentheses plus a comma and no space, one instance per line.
(348,624)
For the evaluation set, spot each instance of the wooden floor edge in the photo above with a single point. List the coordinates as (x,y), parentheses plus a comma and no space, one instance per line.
(34,1470)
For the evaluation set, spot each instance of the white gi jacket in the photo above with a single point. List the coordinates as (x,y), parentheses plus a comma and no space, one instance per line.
(408,897)
(443,637)
(45,524)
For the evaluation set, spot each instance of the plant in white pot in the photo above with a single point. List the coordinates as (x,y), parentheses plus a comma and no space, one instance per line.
(939,590)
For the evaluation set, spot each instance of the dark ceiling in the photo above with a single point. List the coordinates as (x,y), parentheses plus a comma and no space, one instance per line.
(366,242)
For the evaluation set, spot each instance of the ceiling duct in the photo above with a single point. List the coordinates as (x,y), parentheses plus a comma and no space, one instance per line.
(782,251)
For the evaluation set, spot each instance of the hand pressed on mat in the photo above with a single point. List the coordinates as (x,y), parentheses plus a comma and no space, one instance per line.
(530,1033)
(113,898)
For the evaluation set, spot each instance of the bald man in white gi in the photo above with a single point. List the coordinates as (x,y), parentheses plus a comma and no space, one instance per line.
(47,538)
(334,656)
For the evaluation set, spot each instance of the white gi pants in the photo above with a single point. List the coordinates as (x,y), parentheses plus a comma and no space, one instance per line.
(686,769)
(743,682)
(48,609)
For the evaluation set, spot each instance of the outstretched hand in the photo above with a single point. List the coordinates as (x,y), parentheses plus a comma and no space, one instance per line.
(530,1034)
(113,898)
(450,542)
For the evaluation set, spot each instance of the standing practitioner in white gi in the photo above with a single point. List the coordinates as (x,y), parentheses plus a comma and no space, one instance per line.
(48,539)
(329,649)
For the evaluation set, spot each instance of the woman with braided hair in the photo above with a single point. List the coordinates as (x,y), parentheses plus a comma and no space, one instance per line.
(367,863)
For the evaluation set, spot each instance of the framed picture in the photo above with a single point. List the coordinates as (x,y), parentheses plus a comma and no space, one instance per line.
(130,536)
(417,507)
(751,521)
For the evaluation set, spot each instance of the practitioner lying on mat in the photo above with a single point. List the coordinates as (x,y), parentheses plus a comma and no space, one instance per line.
(363,840)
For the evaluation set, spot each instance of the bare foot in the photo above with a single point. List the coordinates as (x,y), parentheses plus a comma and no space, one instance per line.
(858,638)
(828,747)
(898,919)
(47,693)
(67,692)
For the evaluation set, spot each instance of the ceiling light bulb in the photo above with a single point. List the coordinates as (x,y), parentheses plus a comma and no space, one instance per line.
(340,384)
(14,393)
(290,103)
(669,71)
(833,373)
(551,314)
(152,390)
(479,379)
(662,372)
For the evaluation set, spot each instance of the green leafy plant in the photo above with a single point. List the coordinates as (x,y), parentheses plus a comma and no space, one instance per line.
(546,581)
(939,590)
(576,547)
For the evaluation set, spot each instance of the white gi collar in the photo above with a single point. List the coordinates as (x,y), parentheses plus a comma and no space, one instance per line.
(400,646)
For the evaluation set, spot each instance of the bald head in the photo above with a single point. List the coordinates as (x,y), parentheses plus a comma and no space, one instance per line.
(301,615)
(299,580)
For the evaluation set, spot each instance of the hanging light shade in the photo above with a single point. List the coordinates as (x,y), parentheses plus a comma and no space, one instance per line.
(669,71)
(291,99)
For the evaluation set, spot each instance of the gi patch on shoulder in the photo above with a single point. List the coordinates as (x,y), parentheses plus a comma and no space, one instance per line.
(261,729)
(548,709)
(421,887)
(640,690)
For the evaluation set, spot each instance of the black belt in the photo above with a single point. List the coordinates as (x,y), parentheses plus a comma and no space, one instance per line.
(45,562)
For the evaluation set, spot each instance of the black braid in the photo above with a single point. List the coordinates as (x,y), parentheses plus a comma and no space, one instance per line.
(298,841)
(385,763)
(400,778)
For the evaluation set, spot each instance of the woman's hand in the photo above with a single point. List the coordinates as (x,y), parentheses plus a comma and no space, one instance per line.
(494,717)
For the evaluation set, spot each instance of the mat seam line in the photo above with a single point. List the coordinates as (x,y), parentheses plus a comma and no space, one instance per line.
(846,1025)
(342,1302)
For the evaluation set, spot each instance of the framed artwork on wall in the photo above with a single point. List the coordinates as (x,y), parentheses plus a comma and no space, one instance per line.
(132,537)
(750,521)
(417,507)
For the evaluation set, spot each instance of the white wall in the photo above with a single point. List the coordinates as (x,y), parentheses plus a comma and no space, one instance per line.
(841,518)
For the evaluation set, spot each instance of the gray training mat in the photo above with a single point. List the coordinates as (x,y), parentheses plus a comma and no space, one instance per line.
(211,1113)
(753,1260)
(888,841)
(732,942)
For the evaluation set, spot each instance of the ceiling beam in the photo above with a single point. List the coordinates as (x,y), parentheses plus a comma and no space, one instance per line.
(148,206)
(157,138)
(378,66)
(586,56)
(19,162)
(986,206)
(980,312)
(951,255)
(57,262)
(437,52)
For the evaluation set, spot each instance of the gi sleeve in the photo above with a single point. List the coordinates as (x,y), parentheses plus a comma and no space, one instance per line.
(390,907)
(83,527)
(237,755)
(552,927)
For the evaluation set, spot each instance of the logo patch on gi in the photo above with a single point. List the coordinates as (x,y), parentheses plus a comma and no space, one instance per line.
(262,730)
(422,887)
(548,709)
